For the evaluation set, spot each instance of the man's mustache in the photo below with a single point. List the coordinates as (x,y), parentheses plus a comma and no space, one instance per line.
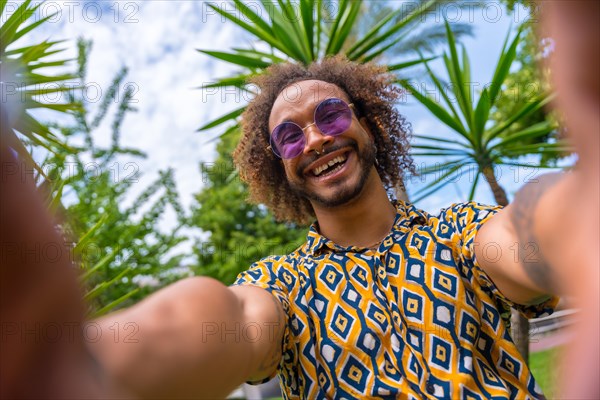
(306,161)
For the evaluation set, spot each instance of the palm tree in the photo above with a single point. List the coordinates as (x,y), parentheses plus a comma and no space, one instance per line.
(24,85)
(477,141)
(309,30)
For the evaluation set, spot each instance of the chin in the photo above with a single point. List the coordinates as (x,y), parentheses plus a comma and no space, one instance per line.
(342,192)
(338,195)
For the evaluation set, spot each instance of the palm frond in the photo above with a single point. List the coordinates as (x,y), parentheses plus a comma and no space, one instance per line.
(300,31)
(26,89)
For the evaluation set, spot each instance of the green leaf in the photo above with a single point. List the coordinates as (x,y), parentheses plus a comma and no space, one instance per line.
(533,148)
(344,23)
(503,67)
(369,42)
(482,113)
(437,139)
(371,33)
(227,132)
(9,27)
(540,129)
(31,27)
(110,306)
(437,110)
(104,262)
(287,33)
(442,91)
(55,201)
(261,24)
(536,165)
(244,61)
(437,167)
(95,292)
(227,117)
(466,68)
(474,186)
(438,154)
(306,12)
(406,64)
(379,51)
(523,112)
(259,54)
(295,28)
(266,35)
(17,145)
(437,184)
(456,77)
(84,240)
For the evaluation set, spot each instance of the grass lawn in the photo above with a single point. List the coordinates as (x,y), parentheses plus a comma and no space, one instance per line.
(544,366)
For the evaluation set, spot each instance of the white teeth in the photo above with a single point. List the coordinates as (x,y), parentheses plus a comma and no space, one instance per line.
(340,159)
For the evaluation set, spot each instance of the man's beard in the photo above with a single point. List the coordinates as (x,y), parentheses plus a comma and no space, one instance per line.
(366,159)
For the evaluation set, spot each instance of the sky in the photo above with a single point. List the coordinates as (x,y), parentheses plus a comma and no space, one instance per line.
(158,41)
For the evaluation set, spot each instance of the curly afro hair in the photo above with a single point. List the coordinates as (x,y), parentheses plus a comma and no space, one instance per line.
(372,91)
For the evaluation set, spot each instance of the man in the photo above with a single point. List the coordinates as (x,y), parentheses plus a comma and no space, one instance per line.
(382,300)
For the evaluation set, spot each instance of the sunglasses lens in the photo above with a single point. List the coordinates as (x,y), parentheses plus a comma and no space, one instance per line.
(287,140)
(333,117)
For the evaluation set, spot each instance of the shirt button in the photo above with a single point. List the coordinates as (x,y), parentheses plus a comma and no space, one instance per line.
(429,387)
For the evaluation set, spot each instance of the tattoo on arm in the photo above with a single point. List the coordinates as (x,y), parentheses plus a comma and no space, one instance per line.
(522,218)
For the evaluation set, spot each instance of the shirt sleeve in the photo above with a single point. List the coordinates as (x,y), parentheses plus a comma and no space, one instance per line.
(270,274)
(467,219)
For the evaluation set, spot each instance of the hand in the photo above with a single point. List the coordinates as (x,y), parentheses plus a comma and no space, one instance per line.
(41,308)
(573,25)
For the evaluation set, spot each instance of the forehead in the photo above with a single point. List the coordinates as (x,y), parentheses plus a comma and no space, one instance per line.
(299,100)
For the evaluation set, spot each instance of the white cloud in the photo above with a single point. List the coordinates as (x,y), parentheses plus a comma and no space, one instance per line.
(157,42)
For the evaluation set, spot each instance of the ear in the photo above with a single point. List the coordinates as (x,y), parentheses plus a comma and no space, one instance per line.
(365,124)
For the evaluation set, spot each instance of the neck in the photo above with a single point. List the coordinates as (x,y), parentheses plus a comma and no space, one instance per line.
(362,222)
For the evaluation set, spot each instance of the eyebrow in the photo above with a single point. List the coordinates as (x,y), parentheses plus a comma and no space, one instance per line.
(288,119)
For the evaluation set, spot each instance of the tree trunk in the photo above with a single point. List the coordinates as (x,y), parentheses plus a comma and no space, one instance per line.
(497,190)
(520,324)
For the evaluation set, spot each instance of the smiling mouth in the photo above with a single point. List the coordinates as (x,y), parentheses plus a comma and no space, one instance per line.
(331,167)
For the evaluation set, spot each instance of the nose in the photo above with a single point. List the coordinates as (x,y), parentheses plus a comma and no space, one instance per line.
(315,139)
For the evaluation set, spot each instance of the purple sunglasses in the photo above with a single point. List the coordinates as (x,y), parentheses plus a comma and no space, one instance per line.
(332,116)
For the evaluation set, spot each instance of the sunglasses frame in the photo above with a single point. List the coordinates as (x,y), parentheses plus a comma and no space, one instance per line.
(271,148)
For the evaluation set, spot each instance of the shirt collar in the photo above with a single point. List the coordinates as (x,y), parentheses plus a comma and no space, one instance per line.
(407,215)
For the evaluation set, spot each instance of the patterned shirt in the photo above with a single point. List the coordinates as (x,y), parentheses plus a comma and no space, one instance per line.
(415,318)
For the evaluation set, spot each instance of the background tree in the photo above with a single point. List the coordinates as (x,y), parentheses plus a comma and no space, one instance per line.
(477,142)
(529,76)
(310,30)
(123,252)
(238,233)
(23,86)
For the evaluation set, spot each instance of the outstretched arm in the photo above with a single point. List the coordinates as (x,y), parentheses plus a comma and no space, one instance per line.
(195,338)
(549,235)
(525,265)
